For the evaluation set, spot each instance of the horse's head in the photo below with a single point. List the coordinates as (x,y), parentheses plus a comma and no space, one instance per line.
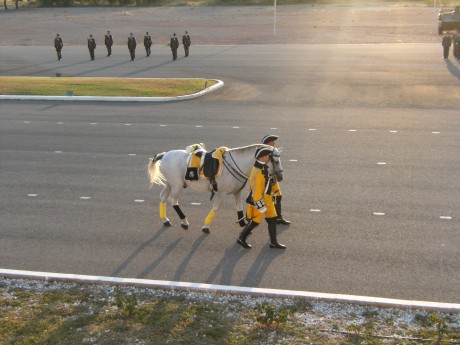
(275,166)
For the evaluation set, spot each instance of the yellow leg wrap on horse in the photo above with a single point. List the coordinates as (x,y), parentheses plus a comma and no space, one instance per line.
(210,217)
(162,210)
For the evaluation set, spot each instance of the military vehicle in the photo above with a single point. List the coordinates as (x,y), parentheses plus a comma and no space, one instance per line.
(449,20)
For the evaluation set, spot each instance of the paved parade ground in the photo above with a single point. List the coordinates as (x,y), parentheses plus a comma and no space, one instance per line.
(370,132)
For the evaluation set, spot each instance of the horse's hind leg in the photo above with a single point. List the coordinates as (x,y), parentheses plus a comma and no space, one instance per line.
(174,199)
(163,197)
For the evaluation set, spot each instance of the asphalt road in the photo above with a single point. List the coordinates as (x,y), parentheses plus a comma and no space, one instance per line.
(371,137)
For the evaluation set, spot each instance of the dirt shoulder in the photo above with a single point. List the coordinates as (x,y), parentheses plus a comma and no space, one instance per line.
(295,24)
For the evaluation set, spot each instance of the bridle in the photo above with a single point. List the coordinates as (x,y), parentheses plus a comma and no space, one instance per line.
(275,163)
(235,170)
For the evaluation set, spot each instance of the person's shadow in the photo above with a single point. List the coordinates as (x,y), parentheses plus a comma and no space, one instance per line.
(260,265)
(454,70)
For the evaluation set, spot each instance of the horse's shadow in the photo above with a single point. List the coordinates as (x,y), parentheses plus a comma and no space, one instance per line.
(183,266)
(138,250)
(227,265)
(155,263)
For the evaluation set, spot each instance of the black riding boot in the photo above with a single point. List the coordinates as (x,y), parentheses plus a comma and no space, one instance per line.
(245,233)
(280,219)
(272,232)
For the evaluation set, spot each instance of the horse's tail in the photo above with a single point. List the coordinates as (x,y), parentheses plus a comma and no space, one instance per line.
(153,168)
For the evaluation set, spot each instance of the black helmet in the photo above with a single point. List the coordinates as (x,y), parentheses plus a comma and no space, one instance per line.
(271,137)
(263,151)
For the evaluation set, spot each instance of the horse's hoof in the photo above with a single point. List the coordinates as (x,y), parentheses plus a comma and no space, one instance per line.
(184,226)
(205,230)
(167,223)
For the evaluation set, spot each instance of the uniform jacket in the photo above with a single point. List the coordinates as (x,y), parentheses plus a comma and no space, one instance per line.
(174,43)
(259,185)
(91,43)
(132,43)
(58,43)
(446,41)
(186,41)
(147,40)
(108,40)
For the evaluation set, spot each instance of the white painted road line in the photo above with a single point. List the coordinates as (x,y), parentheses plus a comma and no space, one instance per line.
(435,132)
(139,200)
(57,151)
(196,203)
(381,163)
(131,154)
(352,130)
(236,127)
(234,290)
(393,131)
(198,126)
(315,210)
(26,121)
(85,197)
(378,213)
(32,194)
(293,160)
(312,129)
(445,217)
(273,128)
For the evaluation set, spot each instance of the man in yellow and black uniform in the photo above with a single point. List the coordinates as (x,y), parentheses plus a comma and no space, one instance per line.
(276,190)
(260,200)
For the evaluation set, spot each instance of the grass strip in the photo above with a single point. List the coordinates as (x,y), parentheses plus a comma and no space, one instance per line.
(115,87)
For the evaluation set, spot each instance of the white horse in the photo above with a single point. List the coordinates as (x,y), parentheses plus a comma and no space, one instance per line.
(169,168)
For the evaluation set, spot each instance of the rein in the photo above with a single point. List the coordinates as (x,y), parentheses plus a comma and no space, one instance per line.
(235,171)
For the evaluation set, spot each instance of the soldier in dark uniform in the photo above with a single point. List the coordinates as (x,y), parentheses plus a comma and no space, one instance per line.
(108,40)
(58,45)
(456,45)
(132,46)
(186,42)
(147,43)
(260,200)
(91,46)
(174,44)
(446,42)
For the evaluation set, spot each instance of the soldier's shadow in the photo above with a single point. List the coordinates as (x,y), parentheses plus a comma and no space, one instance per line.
(454,70)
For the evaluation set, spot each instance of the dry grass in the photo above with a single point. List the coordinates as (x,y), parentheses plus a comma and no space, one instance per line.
(37,312)
(123,87)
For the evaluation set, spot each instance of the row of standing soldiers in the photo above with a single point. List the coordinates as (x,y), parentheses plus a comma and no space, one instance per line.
(447,41)
(108,40)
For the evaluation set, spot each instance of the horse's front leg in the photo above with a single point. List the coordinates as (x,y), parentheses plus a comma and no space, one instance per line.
(217,201)
(239,209)
(174,199)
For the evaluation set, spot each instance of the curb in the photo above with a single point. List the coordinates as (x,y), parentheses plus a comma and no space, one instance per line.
(219,84)
(234,290)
